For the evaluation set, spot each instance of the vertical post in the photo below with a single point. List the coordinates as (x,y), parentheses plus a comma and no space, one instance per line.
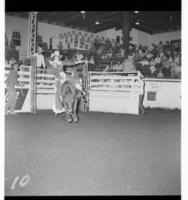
(84,76)
(86,85)
(126,31)
(32,43)
(32,33)
(88,89)
(33,84)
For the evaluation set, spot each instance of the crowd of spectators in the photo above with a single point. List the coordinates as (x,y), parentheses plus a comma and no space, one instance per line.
(161,60)
(107,49)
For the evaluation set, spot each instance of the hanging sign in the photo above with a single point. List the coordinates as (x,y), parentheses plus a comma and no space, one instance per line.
(154,86)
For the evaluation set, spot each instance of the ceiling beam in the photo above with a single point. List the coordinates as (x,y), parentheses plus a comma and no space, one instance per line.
(110,14)
(71,16)
(46,14)
(91,17)
(99,28)
(142,28)
(91,23)
(101,24)
(23,15)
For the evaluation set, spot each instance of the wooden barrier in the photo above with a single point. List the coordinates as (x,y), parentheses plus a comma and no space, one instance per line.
(40,85)
(107,91)
(113,92)
(162,93)
(45,87)
(24,93)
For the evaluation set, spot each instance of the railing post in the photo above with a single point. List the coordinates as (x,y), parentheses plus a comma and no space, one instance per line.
(33,84)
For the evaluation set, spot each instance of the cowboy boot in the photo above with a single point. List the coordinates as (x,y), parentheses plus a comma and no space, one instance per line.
(68,118)
(75,118)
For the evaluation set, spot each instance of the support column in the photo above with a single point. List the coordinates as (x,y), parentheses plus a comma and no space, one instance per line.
(126,31)
(33,85)
(32,44)
(32,33)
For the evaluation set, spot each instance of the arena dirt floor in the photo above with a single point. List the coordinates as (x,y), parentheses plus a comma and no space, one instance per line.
(104,154)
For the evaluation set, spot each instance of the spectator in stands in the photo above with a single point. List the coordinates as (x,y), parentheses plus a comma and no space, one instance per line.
(153,50)
(160,47)
(60,46)
(107,45)
(107,68)
(91,64)
(151,66)
(165,69)
(12,61)
(149,55)
(118,67)
(131,49)
(160,74)
(12,45)
(158,61)
(166,45)
(176,68)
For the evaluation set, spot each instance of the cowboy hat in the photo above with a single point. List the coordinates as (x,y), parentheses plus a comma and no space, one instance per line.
(56,53)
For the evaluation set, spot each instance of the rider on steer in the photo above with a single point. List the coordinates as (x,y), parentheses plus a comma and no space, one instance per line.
(56,68)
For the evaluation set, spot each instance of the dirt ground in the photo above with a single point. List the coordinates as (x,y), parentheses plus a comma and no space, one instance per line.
(104,154)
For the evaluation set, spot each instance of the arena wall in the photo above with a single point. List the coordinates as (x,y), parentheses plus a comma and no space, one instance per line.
(175,35)
(45,30)
(48,31)
(139,37)
(19,25)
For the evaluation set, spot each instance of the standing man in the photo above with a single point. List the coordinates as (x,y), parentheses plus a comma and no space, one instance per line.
(141,95)
(40,58)
(11,82)
(140,85)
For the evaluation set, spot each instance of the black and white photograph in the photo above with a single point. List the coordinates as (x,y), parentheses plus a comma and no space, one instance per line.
(92,103)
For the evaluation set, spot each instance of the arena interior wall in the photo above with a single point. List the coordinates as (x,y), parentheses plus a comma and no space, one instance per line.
(48,31)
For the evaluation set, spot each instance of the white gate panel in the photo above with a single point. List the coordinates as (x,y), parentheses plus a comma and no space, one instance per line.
(114,92)
(113,102)
(45,101)
(166,93)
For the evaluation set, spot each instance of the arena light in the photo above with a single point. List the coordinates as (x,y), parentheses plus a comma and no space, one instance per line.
(137,23)
(136,12)
(83,14)
(97,22)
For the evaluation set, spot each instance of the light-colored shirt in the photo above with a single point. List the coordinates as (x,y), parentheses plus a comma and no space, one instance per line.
(11,80)
(158,60)
(140,85)
(40,60)
(144,62)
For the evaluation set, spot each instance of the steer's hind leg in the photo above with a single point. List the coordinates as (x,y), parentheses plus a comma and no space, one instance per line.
(75,106)
(75,117)
(68,118)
